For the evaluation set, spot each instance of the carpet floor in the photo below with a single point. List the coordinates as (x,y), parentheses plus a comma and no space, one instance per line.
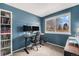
(46,50)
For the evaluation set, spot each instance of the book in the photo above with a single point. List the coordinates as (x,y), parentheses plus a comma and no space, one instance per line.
(5,20)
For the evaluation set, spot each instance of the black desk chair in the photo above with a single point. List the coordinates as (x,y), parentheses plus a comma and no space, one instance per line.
(36,40)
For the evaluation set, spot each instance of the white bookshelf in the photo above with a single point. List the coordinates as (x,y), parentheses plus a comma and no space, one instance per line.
(5,32)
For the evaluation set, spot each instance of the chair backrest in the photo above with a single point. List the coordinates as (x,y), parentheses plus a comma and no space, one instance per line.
(37,37)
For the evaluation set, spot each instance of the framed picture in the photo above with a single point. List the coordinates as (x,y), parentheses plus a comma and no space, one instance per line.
(60,24)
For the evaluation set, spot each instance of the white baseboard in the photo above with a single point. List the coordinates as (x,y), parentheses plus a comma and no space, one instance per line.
(47,42)
(18,49)
(55,45)
(21,48)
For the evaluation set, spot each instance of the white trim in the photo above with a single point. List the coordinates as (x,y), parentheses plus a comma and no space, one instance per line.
(47,42)
(64,33)
(55,45)
(18,49)
(11,34)
(0,32)
(67,33)
(5,10)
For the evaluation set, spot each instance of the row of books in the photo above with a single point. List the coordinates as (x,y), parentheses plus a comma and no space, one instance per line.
(5,51)
(5,20)
(5,14)
(5,29)
(5,37)
(5,43)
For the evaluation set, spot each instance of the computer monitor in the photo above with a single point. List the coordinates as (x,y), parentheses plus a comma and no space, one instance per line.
(35,28)
(26,28)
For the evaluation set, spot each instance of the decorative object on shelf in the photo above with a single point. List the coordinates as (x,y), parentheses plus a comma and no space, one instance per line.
(60,24)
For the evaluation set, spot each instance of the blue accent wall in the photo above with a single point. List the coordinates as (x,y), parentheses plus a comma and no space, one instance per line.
(20,18)
(61,39)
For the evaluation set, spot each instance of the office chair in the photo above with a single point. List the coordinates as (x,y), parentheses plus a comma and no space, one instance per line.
(36,40)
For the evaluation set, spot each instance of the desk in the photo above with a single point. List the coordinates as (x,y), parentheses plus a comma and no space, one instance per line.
(26,38)
(71,49)
(30,36)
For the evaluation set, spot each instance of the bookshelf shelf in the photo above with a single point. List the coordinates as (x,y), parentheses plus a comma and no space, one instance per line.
(6,40)
(5,24)
(5,32)
(5,17)
(5,48)
(8,55)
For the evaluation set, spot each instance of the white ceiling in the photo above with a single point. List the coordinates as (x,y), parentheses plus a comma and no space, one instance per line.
(42,9)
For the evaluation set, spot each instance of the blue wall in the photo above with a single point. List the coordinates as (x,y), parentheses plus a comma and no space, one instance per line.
(60,39)
(20,18)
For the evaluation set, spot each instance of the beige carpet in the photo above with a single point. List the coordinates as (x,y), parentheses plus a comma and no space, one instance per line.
(46,50)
